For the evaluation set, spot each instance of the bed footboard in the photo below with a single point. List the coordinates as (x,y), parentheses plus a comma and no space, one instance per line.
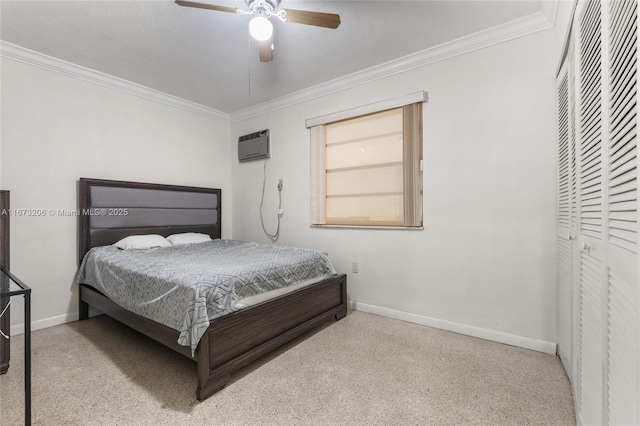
(235,340)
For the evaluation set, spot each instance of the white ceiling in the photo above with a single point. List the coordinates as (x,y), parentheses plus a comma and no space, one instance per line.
(207,57)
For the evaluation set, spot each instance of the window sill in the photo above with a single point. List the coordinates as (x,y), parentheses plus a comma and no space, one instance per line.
(397,228)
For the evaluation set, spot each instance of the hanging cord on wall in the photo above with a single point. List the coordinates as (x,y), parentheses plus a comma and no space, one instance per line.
(272,237)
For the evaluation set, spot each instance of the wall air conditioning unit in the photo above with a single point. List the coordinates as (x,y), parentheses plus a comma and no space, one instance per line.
(254,146)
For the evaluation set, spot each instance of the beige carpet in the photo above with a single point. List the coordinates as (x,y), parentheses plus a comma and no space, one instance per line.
(364,369)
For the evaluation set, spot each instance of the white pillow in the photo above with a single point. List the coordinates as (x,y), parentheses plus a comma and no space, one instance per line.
(188,238)
(139,242)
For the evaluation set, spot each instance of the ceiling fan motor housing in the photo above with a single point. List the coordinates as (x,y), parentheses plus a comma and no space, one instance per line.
(263,7)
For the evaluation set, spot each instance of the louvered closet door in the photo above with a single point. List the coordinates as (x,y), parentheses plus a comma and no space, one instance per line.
(574,306)
(566,220)
(623,369)
(597,116)
(592,292)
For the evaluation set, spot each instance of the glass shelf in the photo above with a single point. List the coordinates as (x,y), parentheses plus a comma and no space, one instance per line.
(10,285)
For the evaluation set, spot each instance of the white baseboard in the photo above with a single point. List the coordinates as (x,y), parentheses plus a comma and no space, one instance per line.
(469,330)
(45,323)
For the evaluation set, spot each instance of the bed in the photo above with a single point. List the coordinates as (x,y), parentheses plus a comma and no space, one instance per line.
(230,341)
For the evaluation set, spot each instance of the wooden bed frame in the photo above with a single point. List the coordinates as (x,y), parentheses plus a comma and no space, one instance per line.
(231,341)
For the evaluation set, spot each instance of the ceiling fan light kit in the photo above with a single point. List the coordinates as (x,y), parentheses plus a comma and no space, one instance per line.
(261,28)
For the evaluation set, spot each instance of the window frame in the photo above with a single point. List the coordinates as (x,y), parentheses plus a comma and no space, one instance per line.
(412,159)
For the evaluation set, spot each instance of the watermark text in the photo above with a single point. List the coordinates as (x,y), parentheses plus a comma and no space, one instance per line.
(65,212)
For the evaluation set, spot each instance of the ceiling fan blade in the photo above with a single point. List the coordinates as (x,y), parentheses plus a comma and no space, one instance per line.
(206,6)
(319,19)
(266,50)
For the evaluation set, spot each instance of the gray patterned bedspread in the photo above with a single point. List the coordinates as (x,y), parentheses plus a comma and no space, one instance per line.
(183,287)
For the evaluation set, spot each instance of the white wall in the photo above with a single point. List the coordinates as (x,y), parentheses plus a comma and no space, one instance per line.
(56,129)
(484,264)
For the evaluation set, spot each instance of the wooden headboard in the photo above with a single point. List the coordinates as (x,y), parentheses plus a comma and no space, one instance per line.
(111,210)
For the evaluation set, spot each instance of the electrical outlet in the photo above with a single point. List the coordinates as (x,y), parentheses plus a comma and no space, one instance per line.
(355,267)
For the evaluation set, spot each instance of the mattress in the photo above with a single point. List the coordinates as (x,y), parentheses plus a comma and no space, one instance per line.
(185,287)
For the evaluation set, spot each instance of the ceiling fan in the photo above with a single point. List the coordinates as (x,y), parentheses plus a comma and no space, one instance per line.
(261,28)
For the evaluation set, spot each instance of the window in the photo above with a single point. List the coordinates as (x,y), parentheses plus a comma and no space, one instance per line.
(366,165)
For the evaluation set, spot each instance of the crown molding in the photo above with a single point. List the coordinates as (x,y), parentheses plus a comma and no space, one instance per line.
(531,24)
(549,8)
(40,60)
(527,25)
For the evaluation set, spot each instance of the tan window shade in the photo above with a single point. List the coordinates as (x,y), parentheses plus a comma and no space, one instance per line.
(412,136)
(318,175)
(366,170)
